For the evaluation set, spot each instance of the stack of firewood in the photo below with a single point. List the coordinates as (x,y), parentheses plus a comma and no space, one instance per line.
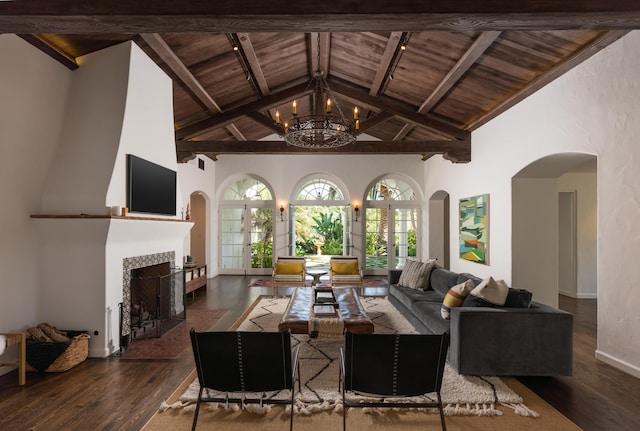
(47,333)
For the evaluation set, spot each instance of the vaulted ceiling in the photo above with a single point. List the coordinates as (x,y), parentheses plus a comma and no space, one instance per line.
(423,74)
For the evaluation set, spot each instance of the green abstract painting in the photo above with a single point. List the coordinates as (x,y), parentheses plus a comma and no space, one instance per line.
(474,228)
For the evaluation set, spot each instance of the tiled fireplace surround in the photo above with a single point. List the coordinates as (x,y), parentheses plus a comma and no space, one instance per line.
(136,262)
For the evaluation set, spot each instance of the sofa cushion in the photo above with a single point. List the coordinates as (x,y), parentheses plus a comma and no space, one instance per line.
(408,296)
(516,298)
(345,268)
(441,280)
(429,313)
(288,268)
(455,297)
(415,274)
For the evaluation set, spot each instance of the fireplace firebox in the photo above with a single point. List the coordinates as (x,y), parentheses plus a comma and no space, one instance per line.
(157,300)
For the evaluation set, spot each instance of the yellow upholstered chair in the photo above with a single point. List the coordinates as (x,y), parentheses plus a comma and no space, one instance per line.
(289,271)
(345,271)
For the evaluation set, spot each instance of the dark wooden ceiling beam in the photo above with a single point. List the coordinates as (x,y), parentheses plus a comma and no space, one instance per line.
(231,115)
(403,132)
(359,147)
(550,75)
(375,120)
(164,51)
(361,98)
(325,53)
(265,120)
(231,16)
(395,39)
(468,59)
(253,62)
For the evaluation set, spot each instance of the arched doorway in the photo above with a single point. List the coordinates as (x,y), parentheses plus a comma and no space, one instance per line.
(198,235)
(246,227)
(554,227)
(392,228)
(439,232)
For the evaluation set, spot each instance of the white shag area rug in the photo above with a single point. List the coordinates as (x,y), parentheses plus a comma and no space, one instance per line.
(319,368)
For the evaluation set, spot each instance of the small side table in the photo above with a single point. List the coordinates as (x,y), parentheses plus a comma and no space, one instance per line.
(316,274)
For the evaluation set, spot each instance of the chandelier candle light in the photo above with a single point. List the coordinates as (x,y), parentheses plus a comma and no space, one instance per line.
(320,130)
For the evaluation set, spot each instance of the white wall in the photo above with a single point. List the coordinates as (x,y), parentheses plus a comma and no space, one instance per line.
(34,92)
(283,173)
(121,103)
(591,109)
(79,177)
(535,237)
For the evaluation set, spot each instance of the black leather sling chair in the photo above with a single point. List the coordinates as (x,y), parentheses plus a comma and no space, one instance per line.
(383,366)
(237,364)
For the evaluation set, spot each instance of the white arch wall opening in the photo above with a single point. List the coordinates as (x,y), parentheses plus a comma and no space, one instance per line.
(554,225)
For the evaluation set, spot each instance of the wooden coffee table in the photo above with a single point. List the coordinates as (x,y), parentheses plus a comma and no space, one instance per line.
(296,316)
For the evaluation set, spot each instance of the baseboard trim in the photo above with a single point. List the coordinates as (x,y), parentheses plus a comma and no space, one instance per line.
(579,295)
(100,353)
(617,363)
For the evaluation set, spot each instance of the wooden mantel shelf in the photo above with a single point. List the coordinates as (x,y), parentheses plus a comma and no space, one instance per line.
(96,216)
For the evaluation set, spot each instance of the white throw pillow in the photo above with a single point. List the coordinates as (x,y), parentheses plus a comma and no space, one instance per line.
(492,291)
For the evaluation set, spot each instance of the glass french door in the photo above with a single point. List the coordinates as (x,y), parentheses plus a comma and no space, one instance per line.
(246,240)
(319,232)
(390,237)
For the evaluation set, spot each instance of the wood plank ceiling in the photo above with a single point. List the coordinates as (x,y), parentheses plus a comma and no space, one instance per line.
(424,75)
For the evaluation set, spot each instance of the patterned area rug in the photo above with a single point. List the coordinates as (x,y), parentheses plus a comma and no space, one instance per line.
(368,282)
(319,366)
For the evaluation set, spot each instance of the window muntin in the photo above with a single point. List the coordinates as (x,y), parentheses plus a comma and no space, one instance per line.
(248,189)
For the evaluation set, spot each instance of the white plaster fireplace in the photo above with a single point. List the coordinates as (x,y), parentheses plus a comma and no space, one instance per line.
(82,269)
(120,103)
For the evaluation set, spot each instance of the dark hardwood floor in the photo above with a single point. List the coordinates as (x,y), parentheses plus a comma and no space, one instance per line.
(115,394)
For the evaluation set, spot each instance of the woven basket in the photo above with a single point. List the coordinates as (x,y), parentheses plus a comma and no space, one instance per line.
(55,357)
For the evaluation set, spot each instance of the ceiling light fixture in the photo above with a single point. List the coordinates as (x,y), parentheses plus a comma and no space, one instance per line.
(323,129)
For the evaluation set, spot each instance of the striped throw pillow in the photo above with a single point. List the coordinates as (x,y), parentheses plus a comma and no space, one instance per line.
(454,297)
(415,274)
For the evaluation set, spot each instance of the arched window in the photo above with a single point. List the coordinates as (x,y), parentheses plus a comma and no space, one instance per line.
(248,189)
(320,225)
(320,189)
(391,189)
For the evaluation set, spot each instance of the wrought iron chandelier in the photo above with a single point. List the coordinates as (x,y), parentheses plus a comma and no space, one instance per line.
(321,130)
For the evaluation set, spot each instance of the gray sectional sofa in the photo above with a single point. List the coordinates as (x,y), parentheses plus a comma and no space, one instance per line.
(531,339)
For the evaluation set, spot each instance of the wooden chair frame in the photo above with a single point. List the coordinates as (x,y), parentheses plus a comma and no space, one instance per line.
(21,363)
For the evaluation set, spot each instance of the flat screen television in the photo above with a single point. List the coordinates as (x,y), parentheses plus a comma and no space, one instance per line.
(151,188)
